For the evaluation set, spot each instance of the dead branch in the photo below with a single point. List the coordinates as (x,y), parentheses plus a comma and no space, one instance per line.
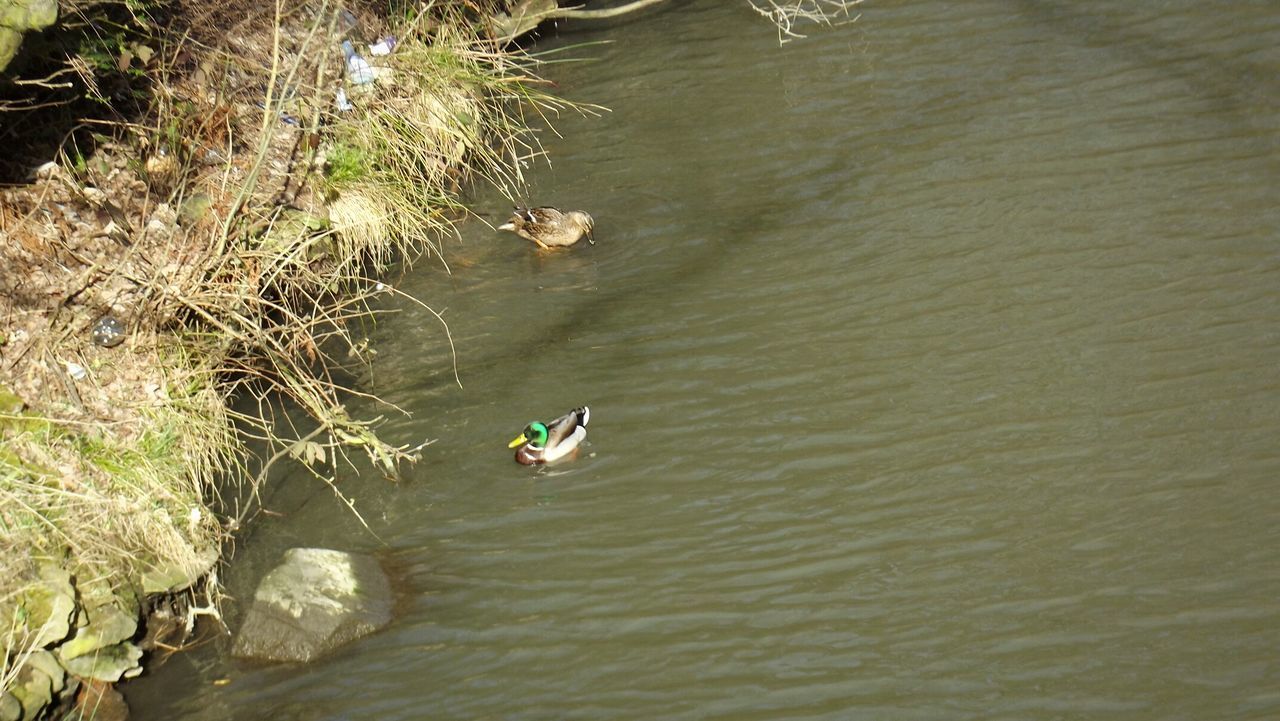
(527,14)
(785,14)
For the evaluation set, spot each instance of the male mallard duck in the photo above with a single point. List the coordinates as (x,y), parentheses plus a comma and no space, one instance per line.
(549,227)
(547,442)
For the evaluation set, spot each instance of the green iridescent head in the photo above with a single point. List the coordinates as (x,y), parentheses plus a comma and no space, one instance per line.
(535,434)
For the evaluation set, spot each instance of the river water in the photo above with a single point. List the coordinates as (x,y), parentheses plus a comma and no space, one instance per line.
(934,366)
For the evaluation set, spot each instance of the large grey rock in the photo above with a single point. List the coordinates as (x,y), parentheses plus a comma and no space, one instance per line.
(101,648)
(17,16)
(50,605)
(34,687)
(105,625)
(28,14)
(313,602)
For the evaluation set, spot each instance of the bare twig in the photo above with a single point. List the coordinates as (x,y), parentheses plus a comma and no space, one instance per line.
(786,15)
(580,14)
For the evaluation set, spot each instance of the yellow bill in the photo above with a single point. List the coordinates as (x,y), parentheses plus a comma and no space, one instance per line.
(517,441)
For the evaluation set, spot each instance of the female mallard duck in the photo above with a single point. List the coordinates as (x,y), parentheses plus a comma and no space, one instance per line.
(547,442)
(548,227)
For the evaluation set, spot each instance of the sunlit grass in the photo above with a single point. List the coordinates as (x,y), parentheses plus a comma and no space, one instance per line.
(262,300)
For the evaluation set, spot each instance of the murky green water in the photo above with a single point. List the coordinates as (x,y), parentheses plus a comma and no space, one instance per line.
(935,372)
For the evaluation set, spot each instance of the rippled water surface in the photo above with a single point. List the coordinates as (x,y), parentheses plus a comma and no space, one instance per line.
(934,363)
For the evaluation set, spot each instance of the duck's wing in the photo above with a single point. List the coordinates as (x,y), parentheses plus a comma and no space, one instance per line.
(545,215)
(522,217)
(563,428)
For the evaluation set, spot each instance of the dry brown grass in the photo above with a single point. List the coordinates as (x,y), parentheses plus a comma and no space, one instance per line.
(242,264)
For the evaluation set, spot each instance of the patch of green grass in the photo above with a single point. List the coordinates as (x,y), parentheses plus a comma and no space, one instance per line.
(347,164)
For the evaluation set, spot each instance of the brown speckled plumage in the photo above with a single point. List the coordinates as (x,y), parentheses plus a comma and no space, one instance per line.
(549,227)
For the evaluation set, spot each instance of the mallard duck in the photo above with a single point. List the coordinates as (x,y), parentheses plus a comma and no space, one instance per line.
(548,227)
(547,442)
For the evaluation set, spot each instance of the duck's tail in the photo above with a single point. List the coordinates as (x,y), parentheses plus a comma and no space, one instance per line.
(583,414)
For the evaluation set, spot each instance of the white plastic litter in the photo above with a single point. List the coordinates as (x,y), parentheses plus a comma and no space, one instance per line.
(383,46)
(358,69)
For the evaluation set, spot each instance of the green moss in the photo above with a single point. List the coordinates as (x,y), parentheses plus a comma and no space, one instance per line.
(110,663)
(28,14)
(48,605)
(33,689)
(106,625)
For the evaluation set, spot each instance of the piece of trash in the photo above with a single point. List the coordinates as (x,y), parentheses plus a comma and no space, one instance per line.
(358,69)
(383,46)
(108,332)
(344,105)
(76,370)
(379,287)
(211,157)
(284,117)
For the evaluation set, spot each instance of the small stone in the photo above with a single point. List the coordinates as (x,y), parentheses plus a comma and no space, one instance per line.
(162,163)
(77,371)
(108,332)
(96,197)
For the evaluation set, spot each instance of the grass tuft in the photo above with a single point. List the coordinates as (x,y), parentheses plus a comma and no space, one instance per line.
(246,223)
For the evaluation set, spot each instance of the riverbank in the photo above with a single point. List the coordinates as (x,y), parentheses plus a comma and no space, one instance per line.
(222,243)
